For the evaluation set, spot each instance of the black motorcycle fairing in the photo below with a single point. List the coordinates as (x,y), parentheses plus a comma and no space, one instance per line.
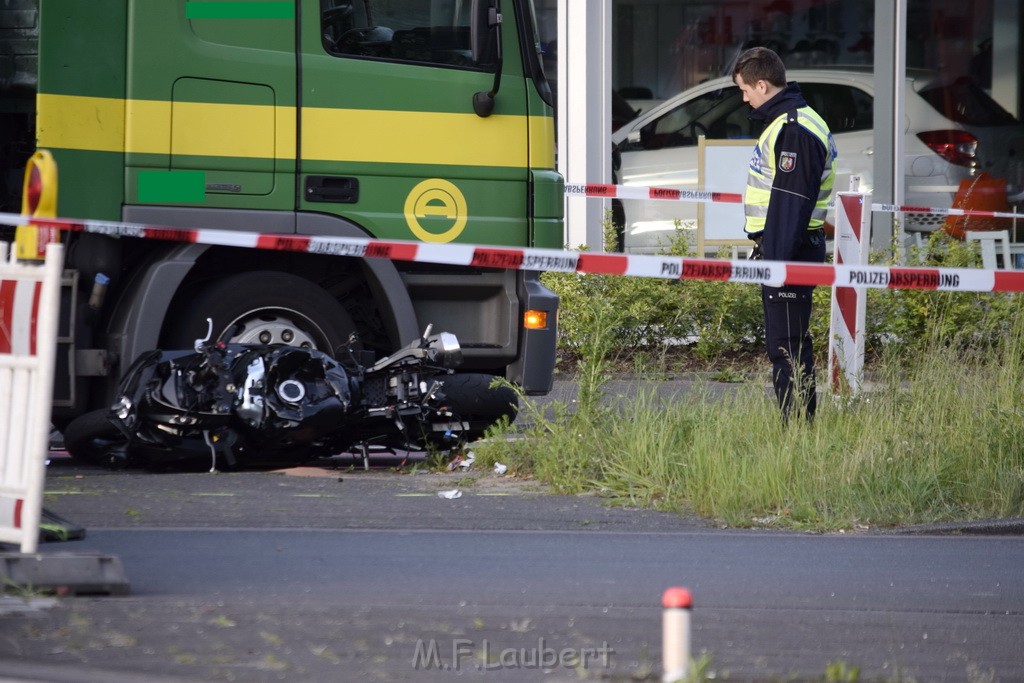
(300,395)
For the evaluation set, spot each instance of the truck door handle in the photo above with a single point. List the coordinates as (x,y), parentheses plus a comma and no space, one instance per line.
(332,188)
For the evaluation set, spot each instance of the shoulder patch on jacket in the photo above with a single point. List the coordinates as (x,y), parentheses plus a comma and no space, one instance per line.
(787,161)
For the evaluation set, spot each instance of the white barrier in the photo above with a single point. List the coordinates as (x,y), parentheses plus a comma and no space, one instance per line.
(846,334)
(29,300)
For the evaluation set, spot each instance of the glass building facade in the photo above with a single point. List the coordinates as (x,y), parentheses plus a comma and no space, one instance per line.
(971,52)
(661,47)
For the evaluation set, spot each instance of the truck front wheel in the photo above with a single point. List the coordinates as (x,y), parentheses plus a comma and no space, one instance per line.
(263,307)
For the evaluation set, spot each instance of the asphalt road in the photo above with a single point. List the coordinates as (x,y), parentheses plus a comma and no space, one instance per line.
(265,576)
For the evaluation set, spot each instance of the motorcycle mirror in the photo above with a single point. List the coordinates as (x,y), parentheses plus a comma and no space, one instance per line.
(209,333)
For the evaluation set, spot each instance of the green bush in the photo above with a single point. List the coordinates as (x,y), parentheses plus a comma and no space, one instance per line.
(662,325)
(657,322)
(914,319)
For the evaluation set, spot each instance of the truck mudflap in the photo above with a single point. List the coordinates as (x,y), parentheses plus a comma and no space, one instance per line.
(534,368)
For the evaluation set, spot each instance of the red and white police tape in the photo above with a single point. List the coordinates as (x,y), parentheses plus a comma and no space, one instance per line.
(637,192)
(773,273)
(606,191)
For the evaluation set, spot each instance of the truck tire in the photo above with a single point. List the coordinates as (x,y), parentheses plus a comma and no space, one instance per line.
(471,399)
(262,307)
(92,438)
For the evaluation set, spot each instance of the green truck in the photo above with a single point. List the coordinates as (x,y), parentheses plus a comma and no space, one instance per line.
(427,120)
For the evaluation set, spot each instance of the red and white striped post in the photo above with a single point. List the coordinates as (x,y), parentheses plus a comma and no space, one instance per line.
(846,335)
(29,297)
(675,634)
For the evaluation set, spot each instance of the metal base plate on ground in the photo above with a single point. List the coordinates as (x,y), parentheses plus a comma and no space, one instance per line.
(64,573)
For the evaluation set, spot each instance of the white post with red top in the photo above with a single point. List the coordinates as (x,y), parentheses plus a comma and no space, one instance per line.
(675,634)
(29,300)
(846,335)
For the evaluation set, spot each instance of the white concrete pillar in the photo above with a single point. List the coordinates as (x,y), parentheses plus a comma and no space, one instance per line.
(1006,55)
(890,114)
(584,112)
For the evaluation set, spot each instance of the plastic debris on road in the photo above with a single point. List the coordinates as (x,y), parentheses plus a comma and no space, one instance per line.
(463,461)
(451,494)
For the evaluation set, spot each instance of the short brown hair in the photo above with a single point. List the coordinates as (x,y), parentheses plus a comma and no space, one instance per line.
(760,64)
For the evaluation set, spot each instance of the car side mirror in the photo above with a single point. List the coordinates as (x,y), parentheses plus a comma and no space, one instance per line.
(632,142)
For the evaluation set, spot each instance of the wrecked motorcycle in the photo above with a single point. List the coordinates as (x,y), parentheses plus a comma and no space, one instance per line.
(235,405)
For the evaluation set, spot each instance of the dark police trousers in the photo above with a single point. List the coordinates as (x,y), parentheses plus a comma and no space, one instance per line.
(787,315)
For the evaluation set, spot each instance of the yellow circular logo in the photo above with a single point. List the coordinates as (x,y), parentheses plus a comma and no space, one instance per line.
(436,211)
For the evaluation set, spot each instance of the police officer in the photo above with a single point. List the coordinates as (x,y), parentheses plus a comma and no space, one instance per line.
(791,175)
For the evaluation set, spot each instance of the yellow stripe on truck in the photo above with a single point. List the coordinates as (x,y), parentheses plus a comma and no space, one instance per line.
(148,127)
(404,137)
(254,131)
(232,130)
(72,122)
(542,143)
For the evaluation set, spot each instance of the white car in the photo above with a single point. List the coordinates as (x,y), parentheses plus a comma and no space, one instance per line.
(659,147)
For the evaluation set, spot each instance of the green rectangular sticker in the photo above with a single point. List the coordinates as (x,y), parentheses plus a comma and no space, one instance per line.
(239,10)
(172,187)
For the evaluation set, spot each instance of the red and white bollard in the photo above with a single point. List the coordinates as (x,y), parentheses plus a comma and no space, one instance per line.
(846,336)
(675,634)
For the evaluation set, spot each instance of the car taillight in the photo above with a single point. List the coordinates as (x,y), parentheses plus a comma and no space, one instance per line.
(955,146)
(34,190)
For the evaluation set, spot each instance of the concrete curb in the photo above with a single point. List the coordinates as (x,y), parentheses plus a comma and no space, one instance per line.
(987,527)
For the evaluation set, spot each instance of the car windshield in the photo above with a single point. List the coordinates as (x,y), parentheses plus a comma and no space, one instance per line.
(965,102)
(717,114)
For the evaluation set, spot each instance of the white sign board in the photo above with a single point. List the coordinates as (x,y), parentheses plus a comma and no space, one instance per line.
(722,167)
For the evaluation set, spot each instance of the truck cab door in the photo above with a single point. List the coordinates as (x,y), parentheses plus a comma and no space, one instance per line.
(388,135)
(210,101)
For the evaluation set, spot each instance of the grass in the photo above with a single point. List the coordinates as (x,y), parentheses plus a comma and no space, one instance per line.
(936,436)
(23,591)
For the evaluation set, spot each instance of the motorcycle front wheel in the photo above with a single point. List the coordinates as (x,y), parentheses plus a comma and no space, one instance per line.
(93,438)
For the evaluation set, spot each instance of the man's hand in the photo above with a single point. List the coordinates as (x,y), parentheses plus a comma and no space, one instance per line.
(756,254)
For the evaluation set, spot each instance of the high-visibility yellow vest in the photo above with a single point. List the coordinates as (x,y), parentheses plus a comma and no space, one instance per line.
(762,170)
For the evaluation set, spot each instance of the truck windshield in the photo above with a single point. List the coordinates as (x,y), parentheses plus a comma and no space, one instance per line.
(534,49)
